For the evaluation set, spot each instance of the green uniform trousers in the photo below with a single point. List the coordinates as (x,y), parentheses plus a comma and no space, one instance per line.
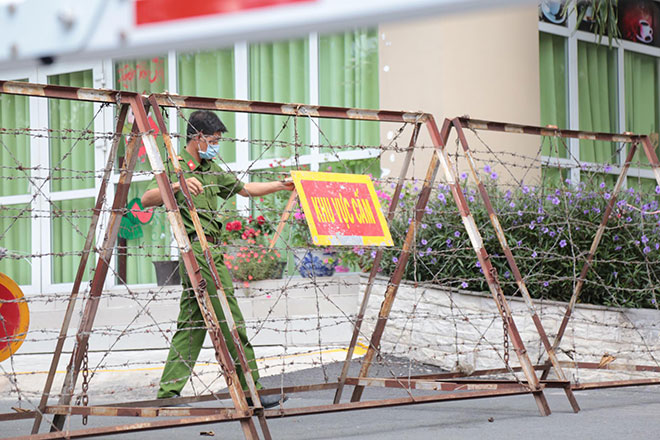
(191,330)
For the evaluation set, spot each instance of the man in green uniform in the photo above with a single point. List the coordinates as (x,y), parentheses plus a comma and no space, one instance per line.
(207,182)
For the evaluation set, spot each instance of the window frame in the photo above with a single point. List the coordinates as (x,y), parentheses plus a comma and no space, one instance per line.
(621,46)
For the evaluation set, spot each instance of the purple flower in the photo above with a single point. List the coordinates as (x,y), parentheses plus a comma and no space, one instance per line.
(532,225)
(647,249)
(448,242)
(519,243)
(657,246)
(602,185)
(442,198)
(520,213)
(534,254)
(373,254)
(555,201)
(463,176)
(507,274)
(478,264)
(546,284)
(525,189)
(608,168)
(395,260)
(607,196)
(493,175)
(618,248)
(616,274)
(429,250)
(616,237)
(424,242)
(657,189)
(487,169)
(562,243)
(471,198)
(457,234)
(645,239)
(438,225)
(512,205)
(420,253)
(424,226)
(464,285)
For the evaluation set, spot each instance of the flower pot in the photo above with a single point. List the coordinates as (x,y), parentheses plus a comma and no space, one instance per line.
(167,272)
(315,262)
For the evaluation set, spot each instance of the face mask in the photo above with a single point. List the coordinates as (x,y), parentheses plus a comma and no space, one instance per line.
(211,151)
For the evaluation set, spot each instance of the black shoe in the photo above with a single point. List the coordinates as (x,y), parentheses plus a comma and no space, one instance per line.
(269,401)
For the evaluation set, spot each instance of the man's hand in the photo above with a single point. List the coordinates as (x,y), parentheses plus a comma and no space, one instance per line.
(153,197)
(194,185)
(287,184)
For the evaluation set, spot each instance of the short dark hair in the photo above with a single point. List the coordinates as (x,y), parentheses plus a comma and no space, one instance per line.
(204,122)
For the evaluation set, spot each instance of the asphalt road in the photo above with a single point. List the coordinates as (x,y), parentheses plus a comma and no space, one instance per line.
(624,413)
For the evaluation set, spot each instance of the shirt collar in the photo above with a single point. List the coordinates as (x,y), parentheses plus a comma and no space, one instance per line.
(191,163)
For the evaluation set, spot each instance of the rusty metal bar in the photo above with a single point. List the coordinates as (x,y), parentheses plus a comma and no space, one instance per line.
(65,92)
(522,286)
(285,216)
(275,413)
(66,322)
(96,288)
(187,399)
(477,124)
(376,266)
(592,251)
(612,366)
(397,275)
(122,411)
(432,385)
(615,384)
(490,272)
(192,268)
(279,108)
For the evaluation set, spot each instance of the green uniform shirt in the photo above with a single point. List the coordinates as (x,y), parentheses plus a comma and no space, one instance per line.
(216,183)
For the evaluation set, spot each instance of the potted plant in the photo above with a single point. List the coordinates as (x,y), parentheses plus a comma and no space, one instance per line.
(248,256)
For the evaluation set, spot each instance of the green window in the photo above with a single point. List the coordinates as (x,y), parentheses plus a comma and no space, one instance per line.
(14,148)
(279,72)
(642,95)
(70,220)
(554,91)
(348,77)
(72,165)
(71,153)
(16,237)
(15,221)
(209,74)
(597,101)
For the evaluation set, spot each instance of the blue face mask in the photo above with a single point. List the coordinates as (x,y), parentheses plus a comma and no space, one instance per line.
(211,151)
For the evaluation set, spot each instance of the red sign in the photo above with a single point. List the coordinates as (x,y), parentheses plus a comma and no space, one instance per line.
(158,11)
(341,207)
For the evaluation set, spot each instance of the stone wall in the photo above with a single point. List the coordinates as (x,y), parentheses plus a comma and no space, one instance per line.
(456,329)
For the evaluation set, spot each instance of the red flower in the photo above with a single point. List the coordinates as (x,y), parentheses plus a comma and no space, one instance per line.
(261,220)
(234,226)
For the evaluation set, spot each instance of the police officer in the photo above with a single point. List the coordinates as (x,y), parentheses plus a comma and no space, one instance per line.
(207,183)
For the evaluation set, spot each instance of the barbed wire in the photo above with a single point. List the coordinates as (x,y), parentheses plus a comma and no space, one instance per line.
(303,323)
